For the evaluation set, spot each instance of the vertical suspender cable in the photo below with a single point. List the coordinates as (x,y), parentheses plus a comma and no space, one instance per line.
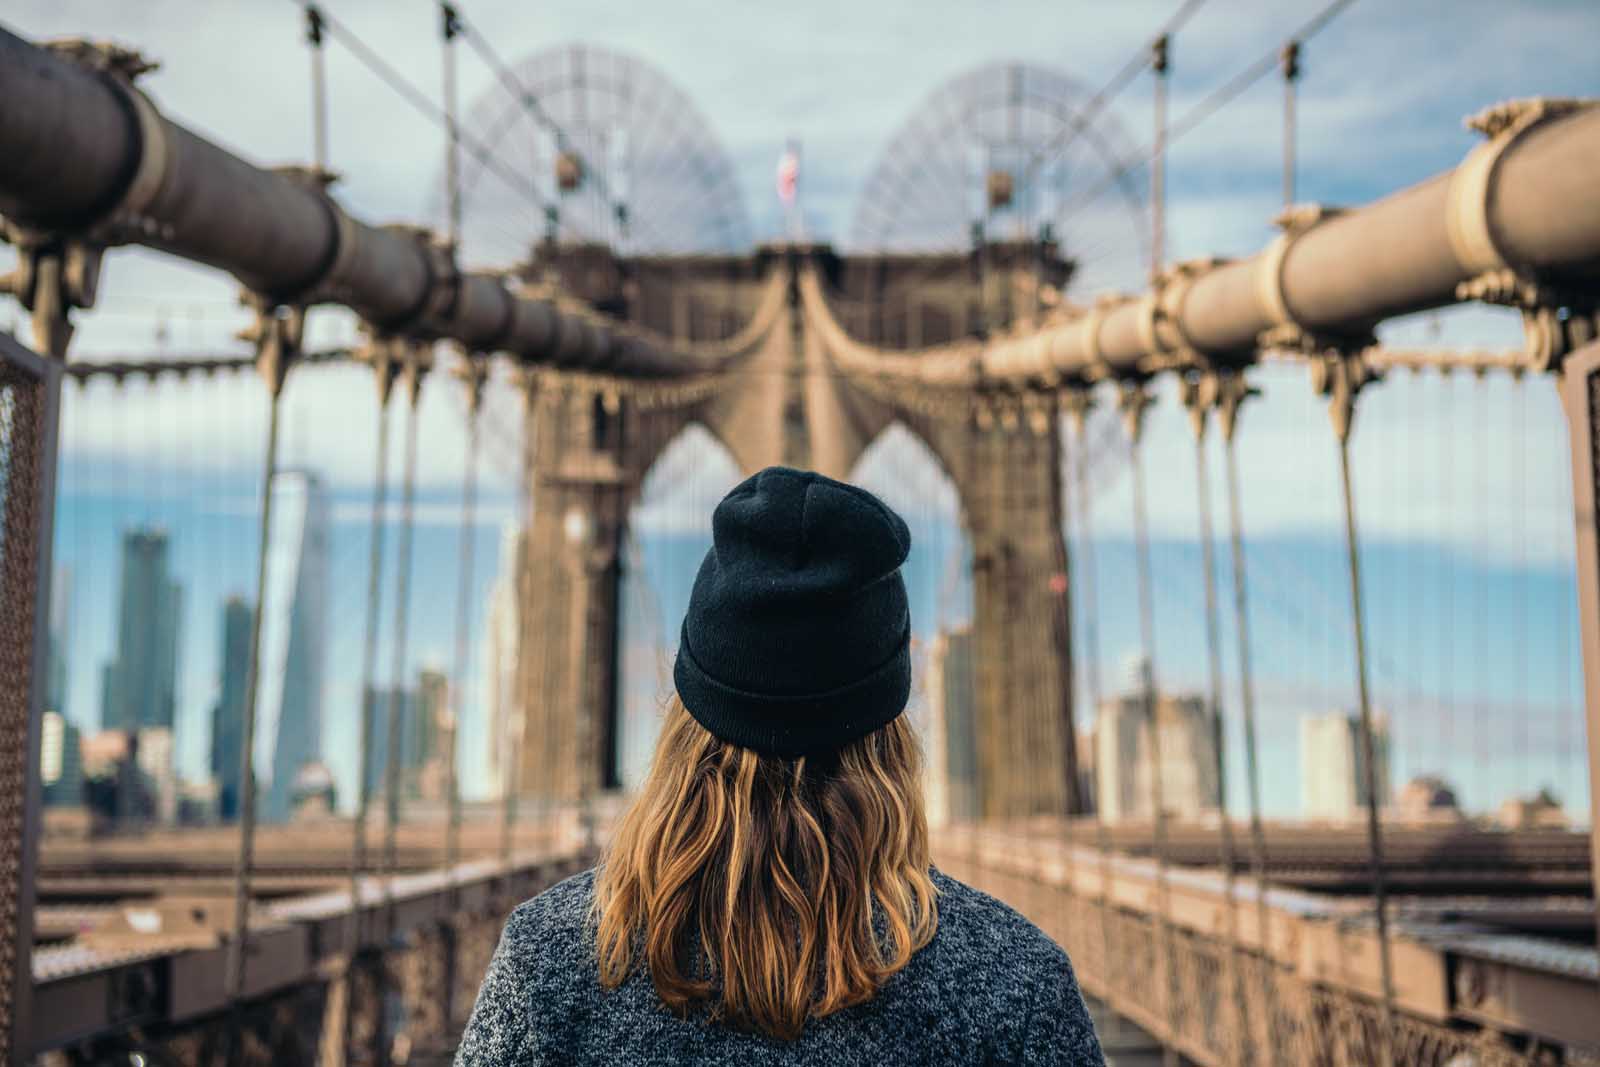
(1291,73)
(1519,465)
(472,373)
(1480,703)
(450,29)
(1344,406)
(1091,639)
(1446,575)
(517,718)
(1134,401)
(1234,392)
(1158,160)
(1159,64)
(412,372)
(1199,411)
(354,933)
(238,944)
(319,87)
(1061,616)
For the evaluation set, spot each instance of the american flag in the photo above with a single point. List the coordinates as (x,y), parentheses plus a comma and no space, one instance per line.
(788,174)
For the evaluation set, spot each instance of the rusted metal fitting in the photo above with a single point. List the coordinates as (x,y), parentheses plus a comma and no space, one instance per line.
(1233,389)
(1038,412)
(1339,377)
(54,275)
(1075,404)
(471,369)
(276,334)
(1198,394)
(1161,318)
(1133,399)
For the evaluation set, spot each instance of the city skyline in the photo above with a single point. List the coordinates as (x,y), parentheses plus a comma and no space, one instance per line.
(1446,737)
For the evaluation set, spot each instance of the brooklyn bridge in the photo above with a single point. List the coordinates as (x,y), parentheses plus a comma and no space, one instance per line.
(1247,665)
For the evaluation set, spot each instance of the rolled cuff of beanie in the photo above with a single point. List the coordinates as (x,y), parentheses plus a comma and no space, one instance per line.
(800,725)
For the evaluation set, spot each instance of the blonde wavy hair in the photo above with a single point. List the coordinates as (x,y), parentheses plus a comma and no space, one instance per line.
(766,891)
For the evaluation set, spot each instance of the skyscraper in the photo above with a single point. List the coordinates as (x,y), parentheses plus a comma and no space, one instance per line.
(501,629)
(55,698)
(952,745)
(155,757)
(61,761)
(294,616)
(1125,763)
(1333,765)
(434,724)
(227,716)
(378,701)
(139,685)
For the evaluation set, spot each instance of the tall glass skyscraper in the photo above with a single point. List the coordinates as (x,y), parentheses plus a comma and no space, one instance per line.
(227,717)
(294,624)
(139,686)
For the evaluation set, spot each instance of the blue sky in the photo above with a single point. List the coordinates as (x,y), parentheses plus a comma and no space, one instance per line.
(1462,486)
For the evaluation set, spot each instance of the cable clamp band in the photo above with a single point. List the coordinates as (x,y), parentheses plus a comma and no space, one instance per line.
(1161,319)
(1471,192)
(1293,223)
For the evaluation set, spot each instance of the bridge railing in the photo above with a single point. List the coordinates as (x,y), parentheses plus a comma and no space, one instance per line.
(1311,997)
(29,391)
(162,997)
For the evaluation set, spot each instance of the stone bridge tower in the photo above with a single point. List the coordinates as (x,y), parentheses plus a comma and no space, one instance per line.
(592,442)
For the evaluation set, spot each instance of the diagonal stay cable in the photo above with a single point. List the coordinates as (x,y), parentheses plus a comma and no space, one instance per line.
(1222,96)
(530,103)
(421,103)
(1130,70)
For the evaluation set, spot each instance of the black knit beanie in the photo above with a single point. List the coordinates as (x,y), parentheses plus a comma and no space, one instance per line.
(798,634)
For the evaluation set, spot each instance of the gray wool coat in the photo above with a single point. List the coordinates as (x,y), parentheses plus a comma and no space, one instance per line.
(990,988)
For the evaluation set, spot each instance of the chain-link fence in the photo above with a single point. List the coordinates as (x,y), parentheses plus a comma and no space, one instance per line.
(29,386)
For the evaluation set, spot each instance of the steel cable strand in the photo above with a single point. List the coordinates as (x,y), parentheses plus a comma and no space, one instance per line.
(1237,1043)
(1258,848)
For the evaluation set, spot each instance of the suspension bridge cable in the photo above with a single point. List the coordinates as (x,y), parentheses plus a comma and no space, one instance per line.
(1074,801)
(319,87)
(515,722)
(1218,99)
(1416,602)
(535,109)
(1134,399)
(1131,69)
(1089,582)
(354,934)
(1480,703)
(1289,57)
(1344,406)
(238,950)
(1158,160)
(419,102)
(412,373)
(1200,411)
(1518,455)
(1235,392)
(472,373)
